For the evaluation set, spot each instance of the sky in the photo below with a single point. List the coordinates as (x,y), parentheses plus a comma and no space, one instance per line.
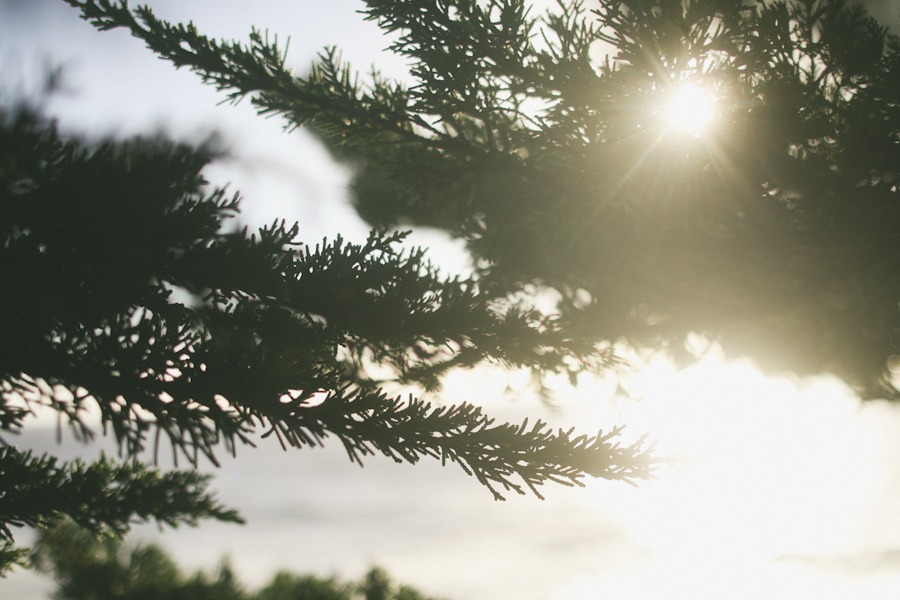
(793,485)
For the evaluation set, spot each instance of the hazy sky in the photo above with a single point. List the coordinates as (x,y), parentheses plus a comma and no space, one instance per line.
(794,488)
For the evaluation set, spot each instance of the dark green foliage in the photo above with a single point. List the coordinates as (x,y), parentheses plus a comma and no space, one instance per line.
(86,567)
(275,339)
(99,496)
(773,233)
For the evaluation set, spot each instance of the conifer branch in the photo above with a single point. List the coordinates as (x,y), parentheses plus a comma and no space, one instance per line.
(266,341)
(102,496)
(560,172)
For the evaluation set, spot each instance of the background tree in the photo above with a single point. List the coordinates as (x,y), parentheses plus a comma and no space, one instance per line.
(772,232)
(272,338)
(89,568)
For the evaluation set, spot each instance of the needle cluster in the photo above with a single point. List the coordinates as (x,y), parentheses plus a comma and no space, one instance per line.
(266,336)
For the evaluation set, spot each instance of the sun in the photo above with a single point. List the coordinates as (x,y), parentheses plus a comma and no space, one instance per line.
(690,109)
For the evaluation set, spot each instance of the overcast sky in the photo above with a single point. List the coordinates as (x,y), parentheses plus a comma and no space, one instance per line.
(795,486)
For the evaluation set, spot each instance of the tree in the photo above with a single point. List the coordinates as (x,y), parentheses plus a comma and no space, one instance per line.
(772,232)
(87,568)
(277,337)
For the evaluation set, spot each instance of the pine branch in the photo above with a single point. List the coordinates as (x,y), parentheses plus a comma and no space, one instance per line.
(561,172)
(262,346)
(259,69)
(101,496)
(494,454)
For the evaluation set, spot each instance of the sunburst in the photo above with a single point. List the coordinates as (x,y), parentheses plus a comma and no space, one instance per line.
(690,109)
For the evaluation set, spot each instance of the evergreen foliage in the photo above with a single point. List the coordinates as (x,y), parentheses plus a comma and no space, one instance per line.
(102,495)
(773,233)
(86,567)
(275,339)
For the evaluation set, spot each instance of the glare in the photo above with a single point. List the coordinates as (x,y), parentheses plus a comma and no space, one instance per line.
(781,483)
(690,109)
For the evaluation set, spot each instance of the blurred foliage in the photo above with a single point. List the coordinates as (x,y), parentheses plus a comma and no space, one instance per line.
(773,233)
(87,567)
